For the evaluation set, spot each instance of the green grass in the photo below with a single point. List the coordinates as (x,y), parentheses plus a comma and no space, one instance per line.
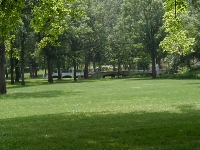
(107,114)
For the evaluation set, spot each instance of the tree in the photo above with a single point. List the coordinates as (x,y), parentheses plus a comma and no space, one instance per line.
(177,39)
(50,21)
(10,16)
(94,40)
(12,49)
(142,21)
(24,33)
(113,45)
(77,33)
(194,13)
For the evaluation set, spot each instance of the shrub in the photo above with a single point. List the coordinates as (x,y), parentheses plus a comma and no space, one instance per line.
(184,73)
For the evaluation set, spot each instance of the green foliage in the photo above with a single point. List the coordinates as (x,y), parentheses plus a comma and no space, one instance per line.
(178,42)
(177,39)
(172,61)
(10,44)
(179,5)
(183,74)
(140,24)
(143,60)
(10,17)
(49,18)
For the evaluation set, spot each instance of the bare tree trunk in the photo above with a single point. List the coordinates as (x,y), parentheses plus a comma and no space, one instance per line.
(30,70)
(2,68)
(17,70)
(22,58)
(94,63)
(35,70)
(153,68)
(12,67)
(50,70)
(114,69)
(59,71)
(6,71)
(74,48)
(74,63)
(44,67)
(118,70)
(49,63)
(86,67)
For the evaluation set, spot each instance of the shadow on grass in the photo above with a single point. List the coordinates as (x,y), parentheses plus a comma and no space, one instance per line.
(36,82)
(38,94)
(196,83)
(106,130)
(29,83)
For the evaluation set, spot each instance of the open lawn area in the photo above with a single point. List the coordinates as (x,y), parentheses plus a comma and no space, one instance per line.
(107,114)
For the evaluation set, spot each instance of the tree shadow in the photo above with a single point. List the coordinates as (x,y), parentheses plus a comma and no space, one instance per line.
(44,82)
(38,94)
(29,83)
(196,83)
(141,78)
(104,130)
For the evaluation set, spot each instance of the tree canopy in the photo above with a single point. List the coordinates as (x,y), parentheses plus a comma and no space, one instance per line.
(87,34)
(178,39)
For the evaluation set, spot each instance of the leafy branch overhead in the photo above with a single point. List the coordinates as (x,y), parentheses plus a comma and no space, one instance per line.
(177,39)
(10,17)
(49,19)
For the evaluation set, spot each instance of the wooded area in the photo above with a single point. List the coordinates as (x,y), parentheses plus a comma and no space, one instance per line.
(64,34)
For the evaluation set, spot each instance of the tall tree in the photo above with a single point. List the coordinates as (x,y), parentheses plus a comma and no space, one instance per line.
(77,33)
(142,21)
(94,41)
(50,20)
(10,16)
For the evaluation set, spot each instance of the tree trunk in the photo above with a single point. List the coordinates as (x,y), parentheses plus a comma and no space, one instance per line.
(6,71)
(59,71)
(45,69)
(22,58)
(2,68)
(36,74)
(118,70)
(86,68)
(74,64)
(77,67)
(17,70)
(94,63)
(12,67)
(114,69)
(50,70)
(153,68)
(74,48)
(35,66)
(31,70)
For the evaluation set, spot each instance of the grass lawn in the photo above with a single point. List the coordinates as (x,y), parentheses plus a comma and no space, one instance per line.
(107,114)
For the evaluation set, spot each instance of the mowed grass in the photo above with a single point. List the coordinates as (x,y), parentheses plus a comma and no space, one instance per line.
(107,114)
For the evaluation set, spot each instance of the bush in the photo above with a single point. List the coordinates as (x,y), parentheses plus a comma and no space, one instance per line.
(184,73)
